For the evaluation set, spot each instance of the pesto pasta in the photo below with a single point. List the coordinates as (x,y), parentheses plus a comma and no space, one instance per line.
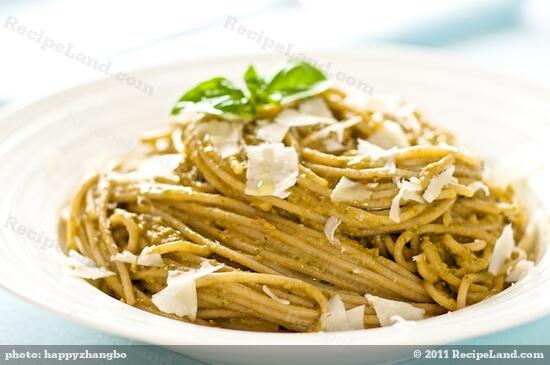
(299,209)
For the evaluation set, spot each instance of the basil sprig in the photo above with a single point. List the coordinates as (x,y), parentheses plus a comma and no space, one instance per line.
(292,81)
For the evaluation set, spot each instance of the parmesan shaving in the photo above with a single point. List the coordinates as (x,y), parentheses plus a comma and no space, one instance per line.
(272,168)
(330,228)
(85,267)
(272,295)
(349,190)
(366,148)
(125,256)
(503,250)
(160,166)
(338,319)
(390,134)
(224,136)
(521,269)
(408,190)
(478,185)
(331,145)
(388,310)
(387,104)
(145,258)
(272,132)
(294,118)
(336,128)
(179,297)
(437,183)
(315,106)
(406,114)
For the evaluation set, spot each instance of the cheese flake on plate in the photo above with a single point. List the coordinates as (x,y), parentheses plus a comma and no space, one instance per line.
(331,225)
(437,183)
(348,190)
(388,135)
(315,106)
(295,118)
(503,249)
(272,132)
(519,270)
(272,168)
(224,136)
(145,258)
(338,319)
(478,185)
(179,297)
(85,267)
(272,295)
(408,190)
(388,310)
(336,128)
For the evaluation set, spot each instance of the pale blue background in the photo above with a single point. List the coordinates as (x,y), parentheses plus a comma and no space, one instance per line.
(510,36)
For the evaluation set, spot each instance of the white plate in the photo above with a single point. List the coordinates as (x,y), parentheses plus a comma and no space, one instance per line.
(48,145)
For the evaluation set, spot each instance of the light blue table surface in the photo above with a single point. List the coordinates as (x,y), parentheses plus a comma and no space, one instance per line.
(23,323)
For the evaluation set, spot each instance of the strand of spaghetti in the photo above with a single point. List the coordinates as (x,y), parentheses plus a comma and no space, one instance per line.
(76,202)
(359,174)
(421,221)
(123,217)
(109,243)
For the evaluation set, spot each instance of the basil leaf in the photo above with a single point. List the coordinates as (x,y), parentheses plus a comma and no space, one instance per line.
(215,96)
(296,80)
(256,86)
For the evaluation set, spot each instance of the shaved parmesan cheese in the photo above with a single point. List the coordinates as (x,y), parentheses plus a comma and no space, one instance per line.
(387,104)
(503,250)
(348,190)
(294,118)
(145,258)
(387,310)
(336,128)
(437,183)
(85,267)
(330,228)
(125,256)
(365,148)
(224,136)
(338,319)
(355,317)
(375,153)
(315,106)
(272,295)
(520,270)
(271,169)
(406,114)
(160,166)
(400,322)
(478,185)
(408,190)
(272,132)
(390,134)
(180,295)
(331,145)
